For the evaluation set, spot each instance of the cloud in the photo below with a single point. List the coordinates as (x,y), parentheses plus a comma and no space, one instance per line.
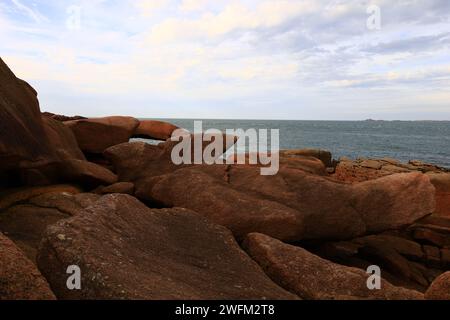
(292,58)
(32,13)
(193,5)
(233,17)
(149,7)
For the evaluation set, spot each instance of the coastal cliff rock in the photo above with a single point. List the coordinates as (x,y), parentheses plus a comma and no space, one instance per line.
(128,251)
(19,277)
(96,135)
(311,277)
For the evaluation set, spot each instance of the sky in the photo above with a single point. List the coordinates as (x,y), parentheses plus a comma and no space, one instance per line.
(267,59)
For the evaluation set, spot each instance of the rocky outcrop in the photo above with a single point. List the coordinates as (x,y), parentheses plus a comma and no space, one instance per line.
(96,135)
(38,150)
(128,251)
(311,277)
(26,220)
(292,205)
(353,214)
(360,170)
(440,288)
(153,129)
(368,169)
(411,257)
(22,133)
(19,277)
(62,140)
(136,160)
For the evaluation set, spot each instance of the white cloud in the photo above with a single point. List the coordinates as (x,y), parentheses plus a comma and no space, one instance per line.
(235,16)
(278,54)
(32,13)
(148,7)
(193,5)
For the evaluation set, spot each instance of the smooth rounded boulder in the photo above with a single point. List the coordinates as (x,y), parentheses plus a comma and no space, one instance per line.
(97,134)
(154,129)
(127,251)
(292,205)
(313,278)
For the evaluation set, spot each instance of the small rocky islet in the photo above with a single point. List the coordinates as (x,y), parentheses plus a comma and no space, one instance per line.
(77,191)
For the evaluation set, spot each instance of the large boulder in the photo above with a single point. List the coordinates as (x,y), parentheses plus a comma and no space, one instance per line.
(136,160)
(86,173)
(128,251)
(34,149)
(26,221)
(311,277)
(440,288)
(96,135)
(154,129)
(19,277)
(394,201)
(441,181)
(292,205)
(62,139)
(22,134)
(322,155)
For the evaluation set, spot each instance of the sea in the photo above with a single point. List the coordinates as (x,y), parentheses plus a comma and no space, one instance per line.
(428,141)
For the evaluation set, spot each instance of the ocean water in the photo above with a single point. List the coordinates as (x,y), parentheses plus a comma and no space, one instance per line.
(428,141)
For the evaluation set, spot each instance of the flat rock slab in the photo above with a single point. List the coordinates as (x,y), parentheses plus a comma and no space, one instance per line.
(128,251)
(311,277)
(19,277)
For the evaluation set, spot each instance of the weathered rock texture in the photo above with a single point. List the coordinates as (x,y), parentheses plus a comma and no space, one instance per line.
(312,277)
(128,251)
(440,288)
(292,205)
(19,277)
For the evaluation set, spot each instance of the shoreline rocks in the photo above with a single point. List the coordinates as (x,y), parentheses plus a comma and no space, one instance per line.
(97,134)
(67,197)
(311,277)
(128,251)
(19,277)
